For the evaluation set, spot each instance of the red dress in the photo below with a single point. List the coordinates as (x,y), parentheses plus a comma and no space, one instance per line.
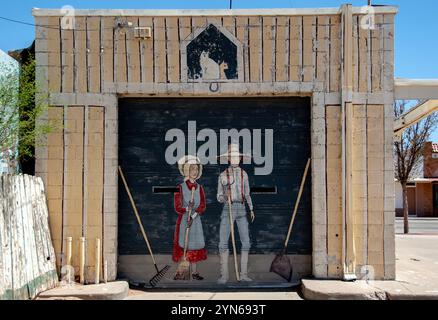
(193,256)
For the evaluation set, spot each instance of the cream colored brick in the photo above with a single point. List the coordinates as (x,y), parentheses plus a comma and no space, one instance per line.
(389,218)
(375,191)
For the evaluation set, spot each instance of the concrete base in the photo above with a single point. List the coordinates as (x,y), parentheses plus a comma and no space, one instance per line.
(138,269)
(361,290)
(106,291)
(340,290)
(226,296)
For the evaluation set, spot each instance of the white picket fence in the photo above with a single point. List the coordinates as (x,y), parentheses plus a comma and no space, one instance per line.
(27,257)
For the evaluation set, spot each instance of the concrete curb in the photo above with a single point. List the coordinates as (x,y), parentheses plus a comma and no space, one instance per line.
(117,290)
(339,290)
(361,290)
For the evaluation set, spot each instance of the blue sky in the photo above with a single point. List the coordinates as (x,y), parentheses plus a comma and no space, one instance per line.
(416,38)
(416,54)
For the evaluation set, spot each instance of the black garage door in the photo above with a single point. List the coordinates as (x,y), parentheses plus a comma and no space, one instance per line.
(143,124)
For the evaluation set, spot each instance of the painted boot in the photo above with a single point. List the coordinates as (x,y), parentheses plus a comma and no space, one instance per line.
(224,268)
(244,267)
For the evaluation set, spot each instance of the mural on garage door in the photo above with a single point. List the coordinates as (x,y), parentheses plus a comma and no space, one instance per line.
(261,200)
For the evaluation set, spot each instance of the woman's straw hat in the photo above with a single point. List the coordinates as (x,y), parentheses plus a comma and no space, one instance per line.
(184,165)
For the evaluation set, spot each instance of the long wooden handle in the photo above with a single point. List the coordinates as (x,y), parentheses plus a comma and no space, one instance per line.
(303,181)
(186,240)
(137,215)
(233,240)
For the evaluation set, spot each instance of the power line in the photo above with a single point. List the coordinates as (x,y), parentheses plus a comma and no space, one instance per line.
(49,27)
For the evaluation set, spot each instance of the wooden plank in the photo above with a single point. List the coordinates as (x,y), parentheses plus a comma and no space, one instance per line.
(388,53)
(242,34)
(308,62)
(255,49)
(360,193)
(93,54)
(31,252)
(198,22)
(230,24)
(25,243)
(94,184)
(108,50)
(16,265)
(80,45)
(377,54)
(282,49)
(334,191)
(147,52)
(185,29)
(67,60)
(335,54)
(55,172)
(375,171)
(160,67)
(322,58)
(7,237)
(54,54)
(363,59)
(355,44)
(268,44)
(41,243)
(120,52)
(49,261)
(73,175)
(4,243)
(295,49)
(133,53)
(172,48)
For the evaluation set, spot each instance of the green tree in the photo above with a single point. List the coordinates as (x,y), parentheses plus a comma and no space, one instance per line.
(22,113)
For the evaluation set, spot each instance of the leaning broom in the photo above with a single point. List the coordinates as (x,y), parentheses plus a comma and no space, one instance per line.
(183,270)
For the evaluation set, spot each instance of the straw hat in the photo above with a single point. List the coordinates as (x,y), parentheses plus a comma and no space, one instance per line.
(233,151)
(184,165)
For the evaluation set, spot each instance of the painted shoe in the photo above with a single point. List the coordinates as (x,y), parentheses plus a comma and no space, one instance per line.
(245,278)
(222,280)
(196,276)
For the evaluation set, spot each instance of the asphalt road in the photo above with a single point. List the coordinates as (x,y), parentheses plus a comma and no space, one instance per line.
(418,226)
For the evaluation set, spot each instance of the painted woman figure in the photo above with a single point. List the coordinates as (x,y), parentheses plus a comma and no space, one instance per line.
(191,169)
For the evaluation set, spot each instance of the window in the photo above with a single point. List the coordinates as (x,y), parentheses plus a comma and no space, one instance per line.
(435,196)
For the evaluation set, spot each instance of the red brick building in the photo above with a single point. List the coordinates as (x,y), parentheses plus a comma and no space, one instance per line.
(422,191)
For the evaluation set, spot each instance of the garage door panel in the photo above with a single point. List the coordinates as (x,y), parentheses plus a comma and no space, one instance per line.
(143,124)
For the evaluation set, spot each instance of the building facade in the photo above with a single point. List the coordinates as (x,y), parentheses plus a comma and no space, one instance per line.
(321,79)
(422,190)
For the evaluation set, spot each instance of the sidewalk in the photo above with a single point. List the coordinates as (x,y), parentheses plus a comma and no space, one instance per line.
(417,279)
(417,276)
(117,290)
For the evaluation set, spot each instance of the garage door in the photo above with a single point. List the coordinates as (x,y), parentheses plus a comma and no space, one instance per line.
(143,124)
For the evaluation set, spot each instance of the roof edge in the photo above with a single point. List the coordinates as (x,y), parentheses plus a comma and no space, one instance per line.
(37,12)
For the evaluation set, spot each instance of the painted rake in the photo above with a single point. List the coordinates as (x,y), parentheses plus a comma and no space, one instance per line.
(160,273)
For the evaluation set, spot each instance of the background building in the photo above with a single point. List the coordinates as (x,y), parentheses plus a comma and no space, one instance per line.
(422,190)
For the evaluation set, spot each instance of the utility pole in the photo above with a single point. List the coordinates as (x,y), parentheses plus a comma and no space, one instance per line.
(231,4)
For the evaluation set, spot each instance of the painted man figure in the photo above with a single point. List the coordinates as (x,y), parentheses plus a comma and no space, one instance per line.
(234,181)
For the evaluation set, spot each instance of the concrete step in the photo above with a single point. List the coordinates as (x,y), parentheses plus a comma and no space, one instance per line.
(117,290)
